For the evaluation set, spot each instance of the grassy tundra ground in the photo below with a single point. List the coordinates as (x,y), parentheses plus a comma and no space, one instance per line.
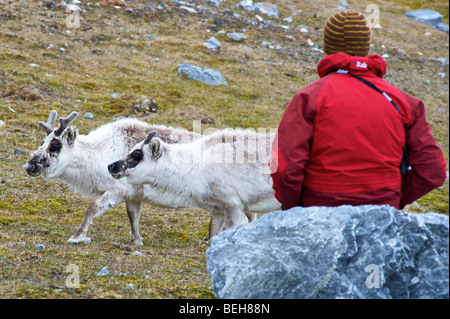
(108,54)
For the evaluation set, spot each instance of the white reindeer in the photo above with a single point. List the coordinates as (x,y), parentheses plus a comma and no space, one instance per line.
(81,162)
(221,173)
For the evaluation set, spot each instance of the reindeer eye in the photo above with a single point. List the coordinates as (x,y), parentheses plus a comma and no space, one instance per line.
(55,146)
(137,155)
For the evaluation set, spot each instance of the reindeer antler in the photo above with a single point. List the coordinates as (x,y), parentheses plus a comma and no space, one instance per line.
(64,123)
(150,136)
(48,127)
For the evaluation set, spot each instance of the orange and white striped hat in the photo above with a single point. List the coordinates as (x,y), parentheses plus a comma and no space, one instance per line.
(347,32)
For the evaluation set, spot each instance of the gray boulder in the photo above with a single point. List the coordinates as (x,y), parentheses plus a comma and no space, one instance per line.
(341,252)
(207,76)
(246,5)
(236,36)
(427,16)
(269,9)
(442,26)
(212,44)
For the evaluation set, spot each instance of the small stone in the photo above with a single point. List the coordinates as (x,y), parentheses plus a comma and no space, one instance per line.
(304,28)
(246,4)
(214,2)
(103,272)
(34,65)
(266,8)
(72,8)
(18,152)
(114,95)
(290,38)
(443,61)
(212,44)
(137,253)
(236,36)
(266,44)
(190,10)
(150,36)
(205,75)
(39,247)
(89,115)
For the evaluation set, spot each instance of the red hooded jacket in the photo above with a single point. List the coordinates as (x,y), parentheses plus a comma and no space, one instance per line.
(341,142)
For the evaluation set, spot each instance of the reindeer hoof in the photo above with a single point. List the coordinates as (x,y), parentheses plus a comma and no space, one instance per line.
(81,240)
(136,242)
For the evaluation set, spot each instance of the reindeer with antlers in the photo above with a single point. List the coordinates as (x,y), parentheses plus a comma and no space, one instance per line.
(81,162)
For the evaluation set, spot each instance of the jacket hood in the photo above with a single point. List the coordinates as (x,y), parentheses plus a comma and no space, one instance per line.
(373,63)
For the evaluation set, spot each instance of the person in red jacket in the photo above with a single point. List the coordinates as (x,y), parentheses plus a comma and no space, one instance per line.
(341,142)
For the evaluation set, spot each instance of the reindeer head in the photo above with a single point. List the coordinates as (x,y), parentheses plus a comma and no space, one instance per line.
(135,164)
(53,156)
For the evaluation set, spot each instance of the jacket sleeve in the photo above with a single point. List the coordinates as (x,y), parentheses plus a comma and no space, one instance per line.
(428,167)
(291,147)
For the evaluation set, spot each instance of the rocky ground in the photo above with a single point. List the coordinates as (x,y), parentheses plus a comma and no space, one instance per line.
(121,58)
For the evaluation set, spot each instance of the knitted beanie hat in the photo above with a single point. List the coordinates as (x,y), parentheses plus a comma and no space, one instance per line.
(347,32)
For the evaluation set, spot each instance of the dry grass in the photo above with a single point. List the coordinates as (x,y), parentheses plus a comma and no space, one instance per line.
(109,54)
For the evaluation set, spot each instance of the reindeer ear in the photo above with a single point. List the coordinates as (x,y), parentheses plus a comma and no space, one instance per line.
(155,147)
(70,134)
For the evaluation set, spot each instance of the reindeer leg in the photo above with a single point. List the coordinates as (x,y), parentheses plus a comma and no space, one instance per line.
(105,202)
(216,224)
(251,216)
(233,217)
(134,212)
